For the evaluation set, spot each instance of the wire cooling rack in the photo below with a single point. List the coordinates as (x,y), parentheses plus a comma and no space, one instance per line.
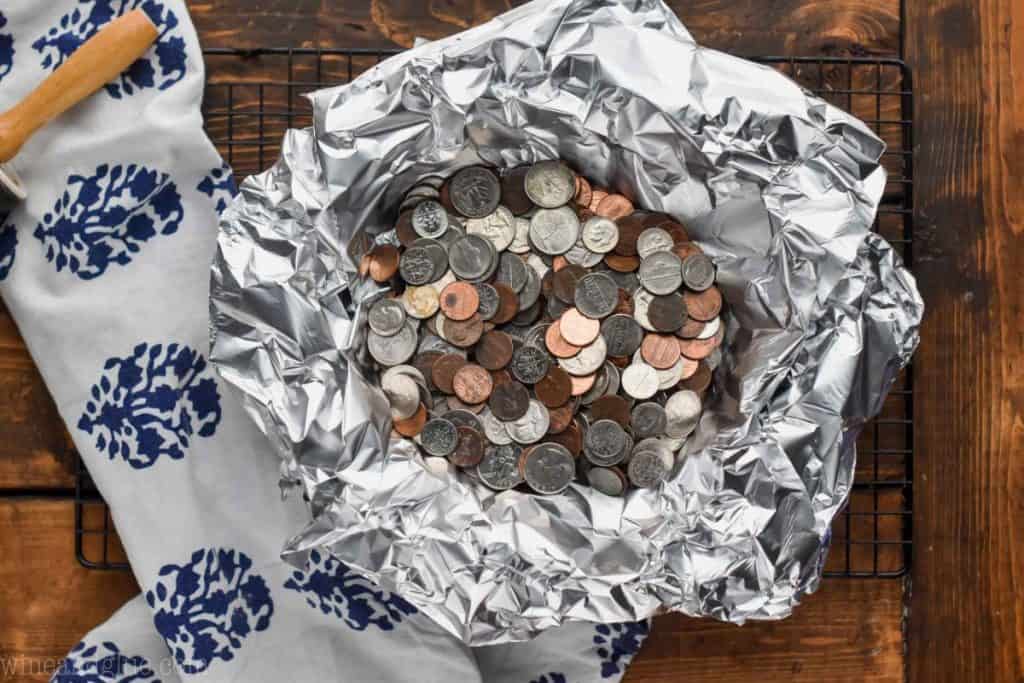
(253,96)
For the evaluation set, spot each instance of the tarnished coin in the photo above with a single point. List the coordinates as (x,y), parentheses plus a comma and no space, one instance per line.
(554,231)
(647,469)
(640,381)
(421,302)
(463,417)
(597,295)
(499,468)
(549,468)
(429,219)
(521,241)
(512,271)
(600,234)
(705,305)
(564,281)
(439,437)
(472,384)
(556,343)
(608,480)
(442,372)
(469,448)
(653,240)
(513,190)
(611,407)
(560,417)
(396,349)
(498,227)
(508,304)
(386,317)
(532,426)
(577,329)
(661,273)
(648,419)
(589,360)
(509,401)
(555,388)
(494,350)
(416,266)
(683,410)
(698,272)
(667,312)
(494,429)
(488,300)
(463,333)
(550,184)
(622,334)
(459,301)
(471,257)
(475,192)
(605,443)
(529,364)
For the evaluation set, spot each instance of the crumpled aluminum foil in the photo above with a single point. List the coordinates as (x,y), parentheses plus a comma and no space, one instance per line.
(778,187)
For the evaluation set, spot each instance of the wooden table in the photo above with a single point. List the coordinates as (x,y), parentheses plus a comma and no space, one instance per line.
(956,616)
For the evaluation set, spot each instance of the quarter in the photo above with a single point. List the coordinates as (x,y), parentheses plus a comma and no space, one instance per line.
(549,468)
(474,192)
(550,184)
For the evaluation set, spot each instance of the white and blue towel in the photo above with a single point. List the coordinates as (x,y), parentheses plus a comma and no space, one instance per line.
(105,270)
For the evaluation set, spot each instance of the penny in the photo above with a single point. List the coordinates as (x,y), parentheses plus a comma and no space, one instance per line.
(584,192)
(700,380)
(683,410)
(622,334)
(622,264)
(529,364)
(588,360)
(509,401)
(521,241)
(660,351)
(429,219)
(556,343)
(444,369)
(424,362)
(464,333)
(667,312)
(583,383)
(692,328)
(550,184)
(676,231)
(640,381)
(554,231)
(499,468)
(512,271)
(472,384)
(564,282)
(488,298)
(697,349)
(403,229)
(508,304)
(605,443)
(469,448)
(513,190)
(383,262)
(455,404)
(597,295)
(698,272)
(704,305)
(439,437)
(386,317)
(577,329)
(494,350)
(463,417)
(412,426)
(653,240)
(647,469)
(571,438)
(647,420)
(596,196)
(661,273)
(599,234)
(393,350)
(471,257)
(459,301)
(686,250)
(549,469)
(555,388)
(611,408)
(608,480)
(560,417)
(498,227)
(614,206)
(532,426)
(474,191)
(630,228)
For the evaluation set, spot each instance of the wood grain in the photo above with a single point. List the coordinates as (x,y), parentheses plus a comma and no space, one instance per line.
(967,616)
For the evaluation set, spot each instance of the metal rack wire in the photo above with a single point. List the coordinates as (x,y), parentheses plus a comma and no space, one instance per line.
(253,96)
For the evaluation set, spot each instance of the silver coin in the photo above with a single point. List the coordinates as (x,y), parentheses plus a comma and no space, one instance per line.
(521,241)
(599,389)
(646,469)
(622,334)
(626,281)
(669,377)
(386,317)
(463,418)
(402,393)
(439,437)
(494,429)
(434,343)
(416,266)
(554,231)
(539,265)
(499,469)
(550,184)
(429,219)
(498,227)
(393,350)
(489,300)
(549,468)
(581,256)
(683,410)
(607,481)
(641,305)
(614,378)
(535,335)
(599,234)
(454,232)
(556,307)
(661,273)
(648,419)
(471,257)
(710,328)
(605,443)
(698,272)
(434,181)
(437,254)
(532,426)
(475,192)
(588,360)
(531,290)
(529,364)
(640,381)
(596,295)
(512,272)
(653,240)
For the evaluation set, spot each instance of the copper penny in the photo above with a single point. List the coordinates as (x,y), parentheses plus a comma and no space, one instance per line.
(690,329)
(494,350)
(513,191)
(383,262)
(677,231)
(414,424)
(611,408)
(571,437)
(560,418)
(444,369)
(697,349)
(661,351)
(584,192)
(556,343)
(622,264)
(459,301)
(581,385)
(597,195)
(464,333)
(555,389)
(501,376)
(705,305)
(558,262)
(625,305)
(689,367)
(700,380)
(630,228)
(619,361)
(509,401)
(685,249)
(508,303)
(364,266)
(577,329)
(404,230)
(667,313)
(455,404)
(469,449)
(472,384)
(424,362)
(564,285)
(614,206)
(547,284)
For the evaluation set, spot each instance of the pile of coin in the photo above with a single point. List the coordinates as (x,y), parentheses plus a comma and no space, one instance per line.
(541,331)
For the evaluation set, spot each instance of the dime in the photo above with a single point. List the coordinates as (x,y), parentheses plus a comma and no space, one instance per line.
(549,468)
(414,425)
(443,371)
(386,317)
(499,468)
(393,350)
(611,407)
(556,343)
(429,219)
(555,388)
(471,257)
(512,272)
(417,266)
(648,419)
(622,334)
(439,437)
(608,480)
(705,305)
(508,304)
(600,234)
(475,192)
(498,227)
(494,429)
(661,273)
(564,281)
(578,329)
(667,312)
(494,351)
(614,206)
(521,242)
(597,295)
(472,384)
(647,469)
(588,360)
(469,448)
(653,240)
(459,301)
(513,190)
(529,364)
(509,401)
(488,298)
(550,184)
(383,262)
(605,443)
(660,351)
(698,272)
(640,381)
(683,410)
(532,426)
(554,231)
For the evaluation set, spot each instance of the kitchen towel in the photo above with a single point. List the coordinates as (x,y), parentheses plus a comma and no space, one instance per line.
(105,270)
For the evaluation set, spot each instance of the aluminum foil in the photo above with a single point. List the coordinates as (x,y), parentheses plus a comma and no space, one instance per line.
(779,187)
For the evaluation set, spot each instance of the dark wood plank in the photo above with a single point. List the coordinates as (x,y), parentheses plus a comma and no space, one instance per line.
(967,617)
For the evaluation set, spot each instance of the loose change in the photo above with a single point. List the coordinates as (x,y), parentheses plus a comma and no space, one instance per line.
(543,331)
